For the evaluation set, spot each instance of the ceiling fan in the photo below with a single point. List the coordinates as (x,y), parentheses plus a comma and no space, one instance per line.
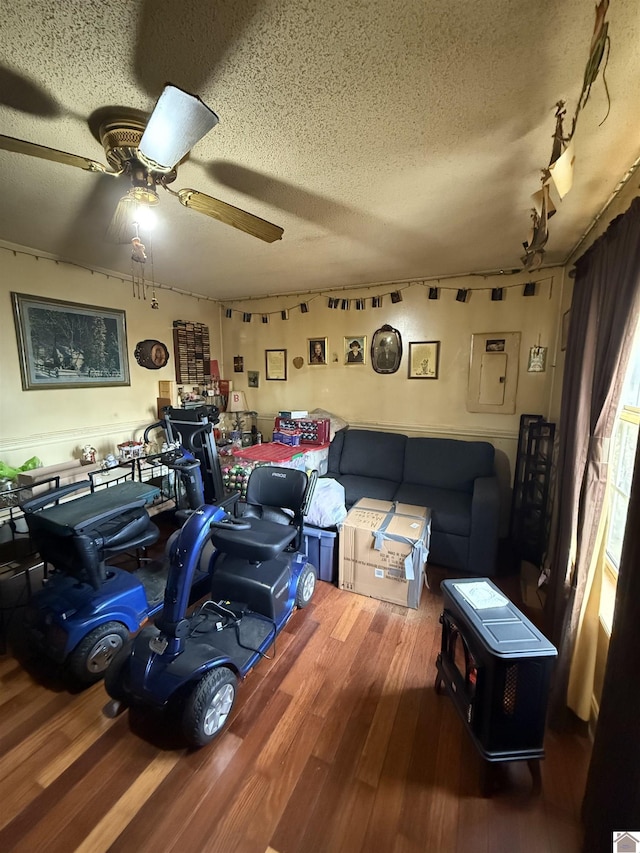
(148,153)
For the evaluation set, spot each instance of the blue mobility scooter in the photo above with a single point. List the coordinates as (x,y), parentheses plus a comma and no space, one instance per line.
(258,576)
(87,609)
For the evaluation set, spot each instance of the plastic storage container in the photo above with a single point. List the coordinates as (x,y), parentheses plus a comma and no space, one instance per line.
(321,553)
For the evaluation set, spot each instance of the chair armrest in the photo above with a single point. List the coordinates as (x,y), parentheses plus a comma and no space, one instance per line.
(53,495)
(485,520)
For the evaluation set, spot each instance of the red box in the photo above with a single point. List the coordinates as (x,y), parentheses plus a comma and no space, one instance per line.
(312,430)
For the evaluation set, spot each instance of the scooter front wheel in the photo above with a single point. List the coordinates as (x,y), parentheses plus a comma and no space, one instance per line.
(208,706)
(116,676)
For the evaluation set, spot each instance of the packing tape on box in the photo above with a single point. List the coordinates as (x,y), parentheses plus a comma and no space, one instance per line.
(416,546)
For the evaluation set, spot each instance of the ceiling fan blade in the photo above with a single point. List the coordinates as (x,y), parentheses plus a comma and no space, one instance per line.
(177,122)
(20,146)
(230,215)
(121,229)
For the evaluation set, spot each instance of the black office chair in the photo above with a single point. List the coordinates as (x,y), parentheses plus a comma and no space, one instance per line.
(78,536)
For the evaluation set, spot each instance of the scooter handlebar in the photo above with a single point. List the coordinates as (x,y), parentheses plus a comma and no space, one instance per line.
(231,524)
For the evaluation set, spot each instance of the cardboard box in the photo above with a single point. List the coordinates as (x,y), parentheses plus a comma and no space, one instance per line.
(383,550)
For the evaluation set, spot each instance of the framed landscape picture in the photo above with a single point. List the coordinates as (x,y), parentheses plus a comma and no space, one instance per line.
(68,345)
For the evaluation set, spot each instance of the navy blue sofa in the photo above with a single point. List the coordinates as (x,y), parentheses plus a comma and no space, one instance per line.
(455,479)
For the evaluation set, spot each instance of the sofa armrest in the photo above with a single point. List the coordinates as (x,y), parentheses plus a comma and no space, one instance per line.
(485,519)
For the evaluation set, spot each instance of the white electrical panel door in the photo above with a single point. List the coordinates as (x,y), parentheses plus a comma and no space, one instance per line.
(493,372)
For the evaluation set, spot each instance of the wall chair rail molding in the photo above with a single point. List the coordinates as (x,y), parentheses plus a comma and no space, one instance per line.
(106,434)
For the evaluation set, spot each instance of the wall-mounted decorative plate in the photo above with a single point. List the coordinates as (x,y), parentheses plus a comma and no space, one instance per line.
(151,354)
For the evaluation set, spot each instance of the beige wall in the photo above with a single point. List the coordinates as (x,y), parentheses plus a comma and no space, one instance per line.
(395,402)
(55,424)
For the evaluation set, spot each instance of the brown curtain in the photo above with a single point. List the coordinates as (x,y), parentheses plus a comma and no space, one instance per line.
(612,799)
(604,312)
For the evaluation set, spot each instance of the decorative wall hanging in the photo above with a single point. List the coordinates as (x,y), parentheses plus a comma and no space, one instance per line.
(298,362)
(560,168)
(238,364)
(68,345)
(191,347)
(253,379)
(424,358)
(537,360)
(276,364)
(151,354)
(386,350)
(317,351)
(355,349)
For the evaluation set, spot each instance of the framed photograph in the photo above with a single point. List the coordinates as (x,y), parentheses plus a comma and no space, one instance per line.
(253,379)
(355,348)
(386,349)
(424,358)
(68,345)
(276,364)
(317,350)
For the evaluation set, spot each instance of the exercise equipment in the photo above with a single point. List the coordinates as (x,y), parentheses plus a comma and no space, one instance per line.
(193,429)
(259,575)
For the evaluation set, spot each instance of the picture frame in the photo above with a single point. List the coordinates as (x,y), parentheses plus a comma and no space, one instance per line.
(253,378)
(68,344)
(386,349)
(316,350)
(424,359)
(275,365)
(355,349)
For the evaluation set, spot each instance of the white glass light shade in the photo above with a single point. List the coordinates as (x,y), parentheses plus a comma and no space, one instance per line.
(177,122)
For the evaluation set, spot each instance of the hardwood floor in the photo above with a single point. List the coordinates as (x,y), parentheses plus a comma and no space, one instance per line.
(339,743)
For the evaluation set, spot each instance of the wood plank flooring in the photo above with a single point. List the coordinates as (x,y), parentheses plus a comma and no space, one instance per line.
(340,743)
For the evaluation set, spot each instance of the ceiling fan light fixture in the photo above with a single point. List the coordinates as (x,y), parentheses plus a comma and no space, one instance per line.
(178,121)
(144,195)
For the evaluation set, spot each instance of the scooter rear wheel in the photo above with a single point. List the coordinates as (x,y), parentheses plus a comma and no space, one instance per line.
(93,654)
(306,585)
(208,706)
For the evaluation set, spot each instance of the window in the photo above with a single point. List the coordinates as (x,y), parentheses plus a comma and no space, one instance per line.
(621,462)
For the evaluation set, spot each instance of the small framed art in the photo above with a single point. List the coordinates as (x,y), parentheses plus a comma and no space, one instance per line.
(317,350)
(355,348)
(424,358)
(275,364)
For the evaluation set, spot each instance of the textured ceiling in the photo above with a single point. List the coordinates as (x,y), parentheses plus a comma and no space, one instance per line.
(391,139)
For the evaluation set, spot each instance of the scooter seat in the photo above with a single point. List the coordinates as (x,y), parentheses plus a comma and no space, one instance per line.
(262,540)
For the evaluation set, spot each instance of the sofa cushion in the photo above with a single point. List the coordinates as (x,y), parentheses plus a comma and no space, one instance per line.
(450,509)
(368,487)
(367,453)
(447,463)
